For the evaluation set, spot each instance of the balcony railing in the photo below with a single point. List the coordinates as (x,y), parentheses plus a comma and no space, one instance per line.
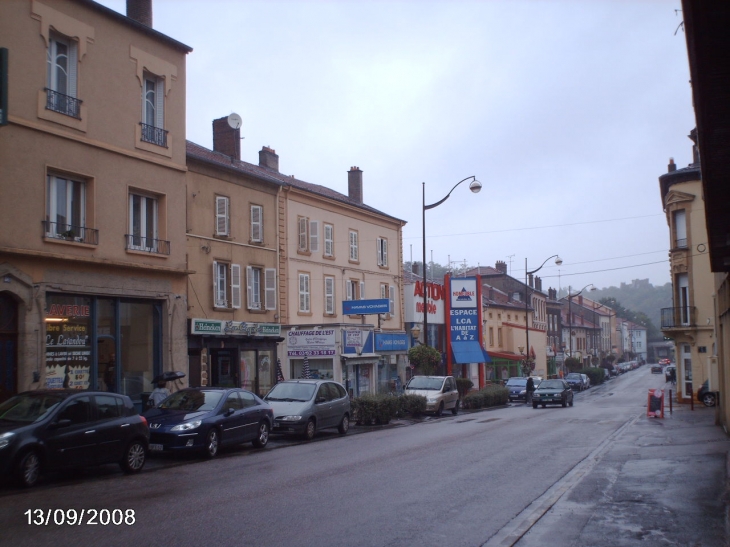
(147,244)
(680,243)
(673,318)
(68,232)
(64,104)
(155,135)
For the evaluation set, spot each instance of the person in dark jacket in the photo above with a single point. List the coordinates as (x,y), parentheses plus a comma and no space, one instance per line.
(528,390)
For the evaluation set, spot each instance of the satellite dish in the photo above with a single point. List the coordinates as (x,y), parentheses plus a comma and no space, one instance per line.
(235,121)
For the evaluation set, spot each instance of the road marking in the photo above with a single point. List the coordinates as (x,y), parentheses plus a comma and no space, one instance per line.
(515,529)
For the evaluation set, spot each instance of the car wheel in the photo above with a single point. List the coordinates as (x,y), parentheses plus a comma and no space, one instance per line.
(310,430)
(344,425)
(440,409)
(263,438)
(708,399)
(29,469)
(212,443)
(455,410)
(534,405)
(134,458)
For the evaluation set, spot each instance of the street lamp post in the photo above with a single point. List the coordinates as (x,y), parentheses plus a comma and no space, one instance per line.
(558,261)
(570,312)
(474,186)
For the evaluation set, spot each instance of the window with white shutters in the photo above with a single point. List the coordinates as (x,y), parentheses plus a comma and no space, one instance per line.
(382,250)
(270,288)
(354,252)
(303,227)
(253,287)
(220,284)
(351,288)
(257,227)
(222,222)
(329,295)
(304,293)
(329,240)
(314,236)
(362,290)
(235,286)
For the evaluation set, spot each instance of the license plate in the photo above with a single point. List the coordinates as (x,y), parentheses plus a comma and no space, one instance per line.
(156,447)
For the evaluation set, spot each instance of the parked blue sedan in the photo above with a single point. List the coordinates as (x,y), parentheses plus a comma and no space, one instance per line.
(208,418)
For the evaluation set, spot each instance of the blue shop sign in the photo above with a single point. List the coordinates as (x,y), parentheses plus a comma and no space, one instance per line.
(365,307)
(391,341)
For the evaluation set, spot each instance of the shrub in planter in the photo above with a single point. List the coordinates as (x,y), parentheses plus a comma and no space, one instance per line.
(368,409)
(596,375)
(411,405)
(488,396)
(463,385)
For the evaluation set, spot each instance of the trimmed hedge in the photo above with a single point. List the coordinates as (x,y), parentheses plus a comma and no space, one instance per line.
(488,396)
(371,409)
(596,375)
(413,405)
(463,385)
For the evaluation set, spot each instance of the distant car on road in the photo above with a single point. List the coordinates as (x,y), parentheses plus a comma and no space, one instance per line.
(552,392)
(656,369)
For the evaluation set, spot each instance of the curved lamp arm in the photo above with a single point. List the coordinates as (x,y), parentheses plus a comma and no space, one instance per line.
(474,187)
(584,288)
(558,261)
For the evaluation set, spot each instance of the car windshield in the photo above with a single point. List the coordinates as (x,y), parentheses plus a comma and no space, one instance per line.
(29,408)
(293,392)
(192,400)
(517,382)
(423,382)
(551,384)
(573,376)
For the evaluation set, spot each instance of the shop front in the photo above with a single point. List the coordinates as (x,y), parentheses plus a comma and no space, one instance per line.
(233,354)
(393,362)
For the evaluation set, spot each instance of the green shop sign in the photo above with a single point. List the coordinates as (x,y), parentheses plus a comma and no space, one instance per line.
(234,328)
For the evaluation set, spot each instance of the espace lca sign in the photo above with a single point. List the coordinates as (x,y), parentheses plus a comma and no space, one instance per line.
(365,307)
(464,312)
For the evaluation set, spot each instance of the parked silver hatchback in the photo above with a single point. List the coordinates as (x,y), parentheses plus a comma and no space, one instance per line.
(440,392)
(305,406)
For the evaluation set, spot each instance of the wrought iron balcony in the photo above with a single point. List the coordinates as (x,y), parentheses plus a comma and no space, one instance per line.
(677,318)
(64,104)
(147,244)
(68,232)
(154,135)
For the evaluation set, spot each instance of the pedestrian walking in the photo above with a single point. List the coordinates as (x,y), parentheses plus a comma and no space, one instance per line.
(528,390)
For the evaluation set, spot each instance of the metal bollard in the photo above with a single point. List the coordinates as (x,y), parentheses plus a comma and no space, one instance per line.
(670,401)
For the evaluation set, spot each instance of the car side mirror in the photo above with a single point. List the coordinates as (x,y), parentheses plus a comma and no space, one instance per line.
(61,423)
(319,400)
(230,411)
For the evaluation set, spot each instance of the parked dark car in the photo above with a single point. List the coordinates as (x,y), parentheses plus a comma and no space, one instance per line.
(575,381)
(552,392)
(305,406)
(205,419)
(48,430)
(705,396)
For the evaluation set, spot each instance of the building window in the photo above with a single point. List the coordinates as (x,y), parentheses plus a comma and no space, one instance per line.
(304,293)
(303,237)
(257,223)
(680,229)
(491,336)
(329,295)
(256,292)
(354,253)
(153,110)
(142,223)
(499,337)
(355,289)
(226,281)
(314,236)
(329,240)
(382,248)
(66,208)
(62,57)
(222,219)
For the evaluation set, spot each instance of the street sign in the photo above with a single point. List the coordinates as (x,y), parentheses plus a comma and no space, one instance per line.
(365,307)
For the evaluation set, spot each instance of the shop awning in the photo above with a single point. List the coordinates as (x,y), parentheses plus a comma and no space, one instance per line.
(469,352)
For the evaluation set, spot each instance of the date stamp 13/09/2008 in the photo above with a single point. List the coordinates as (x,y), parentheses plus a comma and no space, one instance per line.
(79,517)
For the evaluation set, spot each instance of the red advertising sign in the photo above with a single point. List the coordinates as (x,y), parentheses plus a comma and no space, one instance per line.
(655,404)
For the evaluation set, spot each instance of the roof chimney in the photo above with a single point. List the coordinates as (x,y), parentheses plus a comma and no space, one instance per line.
(269,159)
(140,11)
(672,166)
(226,140)
(501,266)
(354,184)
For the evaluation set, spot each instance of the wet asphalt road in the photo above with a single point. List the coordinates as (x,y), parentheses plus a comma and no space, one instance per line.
(473,479)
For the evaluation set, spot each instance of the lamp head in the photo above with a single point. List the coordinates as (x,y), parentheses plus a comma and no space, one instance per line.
(475,186)
(558,261)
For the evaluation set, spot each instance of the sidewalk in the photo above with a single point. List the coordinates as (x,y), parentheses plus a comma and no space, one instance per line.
(660,482)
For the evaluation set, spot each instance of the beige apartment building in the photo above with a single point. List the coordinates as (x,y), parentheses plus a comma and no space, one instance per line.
(690,322)
(92,172)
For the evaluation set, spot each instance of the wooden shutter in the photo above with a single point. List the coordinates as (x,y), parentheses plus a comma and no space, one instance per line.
(391,300)
(256,214)
(235,286)
(362,290)
(73,62)
(350,286)
(329,295)
(221,216)
(302,234)
(384,252)
(270,290)
(328,240)
(249,287)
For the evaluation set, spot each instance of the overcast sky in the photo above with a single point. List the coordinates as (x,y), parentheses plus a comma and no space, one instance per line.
(566,111)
